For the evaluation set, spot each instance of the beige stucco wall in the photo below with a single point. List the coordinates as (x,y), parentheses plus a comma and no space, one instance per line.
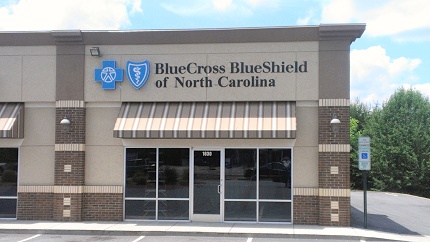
(305,172)
(37,152)
(32,67)
(104,156)
(289,86)
(27,74)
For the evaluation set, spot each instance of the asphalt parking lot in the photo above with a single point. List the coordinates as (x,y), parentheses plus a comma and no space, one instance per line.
(391,212)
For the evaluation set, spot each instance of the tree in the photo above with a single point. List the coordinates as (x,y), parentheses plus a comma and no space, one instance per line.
(400,144)
(360,113)
(354,133)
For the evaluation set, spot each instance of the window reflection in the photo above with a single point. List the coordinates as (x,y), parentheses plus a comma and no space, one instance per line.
(8,182)
(274,212)
(274,185)
(238,164)
(174,173)
(140,173)
(145,169)
(275,174)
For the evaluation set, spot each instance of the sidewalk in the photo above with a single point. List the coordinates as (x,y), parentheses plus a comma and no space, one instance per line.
(185,228)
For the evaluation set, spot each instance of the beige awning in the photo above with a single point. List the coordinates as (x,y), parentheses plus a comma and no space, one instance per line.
(12,120)
(207,120)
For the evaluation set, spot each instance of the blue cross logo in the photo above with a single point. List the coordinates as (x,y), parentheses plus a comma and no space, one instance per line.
(108,75)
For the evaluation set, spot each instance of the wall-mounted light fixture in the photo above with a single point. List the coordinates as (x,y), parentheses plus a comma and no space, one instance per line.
(335,124)
(95,51)
(65,123)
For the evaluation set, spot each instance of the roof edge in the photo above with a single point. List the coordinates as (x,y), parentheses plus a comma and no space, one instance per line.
(187,36)
(349,32)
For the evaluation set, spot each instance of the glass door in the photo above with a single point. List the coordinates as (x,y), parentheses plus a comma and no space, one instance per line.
(207,186)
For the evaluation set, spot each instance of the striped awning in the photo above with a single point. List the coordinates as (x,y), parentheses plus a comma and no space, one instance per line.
(12,120)
(207,120)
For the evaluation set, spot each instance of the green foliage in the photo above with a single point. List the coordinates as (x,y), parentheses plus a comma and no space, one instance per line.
(354,133)
(360,113)
(400,144)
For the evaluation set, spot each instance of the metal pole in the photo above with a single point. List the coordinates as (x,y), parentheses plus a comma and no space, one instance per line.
(365,197)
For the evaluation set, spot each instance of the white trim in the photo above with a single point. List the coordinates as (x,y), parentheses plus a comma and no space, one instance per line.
(334,102)
(70,104)
(334,148)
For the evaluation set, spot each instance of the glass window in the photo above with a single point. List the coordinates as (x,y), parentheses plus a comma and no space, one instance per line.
(240,211)
(140,173)
(274,212)
(154,179)
(174,173)
(275,174)
(140,209)
(8,182)
(240,182)
(173,210)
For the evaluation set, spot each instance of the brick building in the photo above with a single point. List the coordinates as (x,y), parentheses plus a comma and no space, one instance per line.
(185,125)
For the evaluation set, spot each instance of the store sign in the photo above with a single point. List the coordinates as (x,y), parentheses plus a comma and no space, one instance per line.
(194,75)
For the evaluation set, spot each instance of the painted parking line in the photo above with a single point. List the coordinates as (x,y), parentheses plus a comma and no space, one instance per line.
(249,240)
(138,239)
(32,237)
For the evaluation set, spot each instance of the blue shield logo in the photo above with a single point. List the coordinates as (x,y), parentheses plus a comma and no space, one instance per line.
(137,73)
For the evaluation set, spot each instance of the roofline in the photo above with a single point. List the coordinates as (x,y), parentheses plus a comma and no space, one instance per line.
(185,36)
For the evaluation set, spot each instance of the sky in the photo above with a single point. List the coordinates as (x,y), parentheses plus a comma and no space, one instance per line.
(394,51)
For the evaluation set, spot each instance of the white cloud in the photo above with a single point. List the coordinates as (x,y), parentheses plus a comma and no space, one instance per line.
(137,6)
(304,21)
(24,15)
(239,8)
(423,88)
(338,11)
(375,75)
(187,10)
(263,3)
(383,17)
(222,5)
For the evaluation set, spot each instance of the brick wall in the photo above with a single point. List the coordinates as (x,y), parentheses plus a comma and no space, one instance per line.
(75,160)
(69,160)
(76,133)
(306,210)
(102,207)
(336,211)
(67,207)
(35,206)
(333,163)
(325,133)
(334,169)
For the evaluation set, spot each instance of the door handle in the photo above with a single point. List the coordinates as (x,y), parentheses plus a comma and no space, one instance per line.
(219,189)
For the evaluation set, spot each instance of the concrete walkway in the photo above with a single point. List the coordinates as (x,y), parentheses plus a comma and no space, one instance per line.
(185,228)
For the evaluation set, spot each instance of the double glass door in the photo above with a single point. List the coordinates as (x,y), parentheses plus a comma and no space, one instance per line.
(207,186)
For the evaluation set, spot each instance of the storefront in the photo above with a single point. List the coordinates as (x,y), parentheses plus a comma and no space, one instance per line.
(223,125)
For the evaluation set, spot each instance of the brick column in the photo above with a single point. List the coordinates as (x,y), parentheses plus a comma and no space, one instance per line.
(333,163)
(69,174)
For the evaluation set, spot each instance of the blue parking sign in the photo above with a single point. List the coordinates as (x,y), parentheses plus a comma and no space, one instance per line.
(364,156)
